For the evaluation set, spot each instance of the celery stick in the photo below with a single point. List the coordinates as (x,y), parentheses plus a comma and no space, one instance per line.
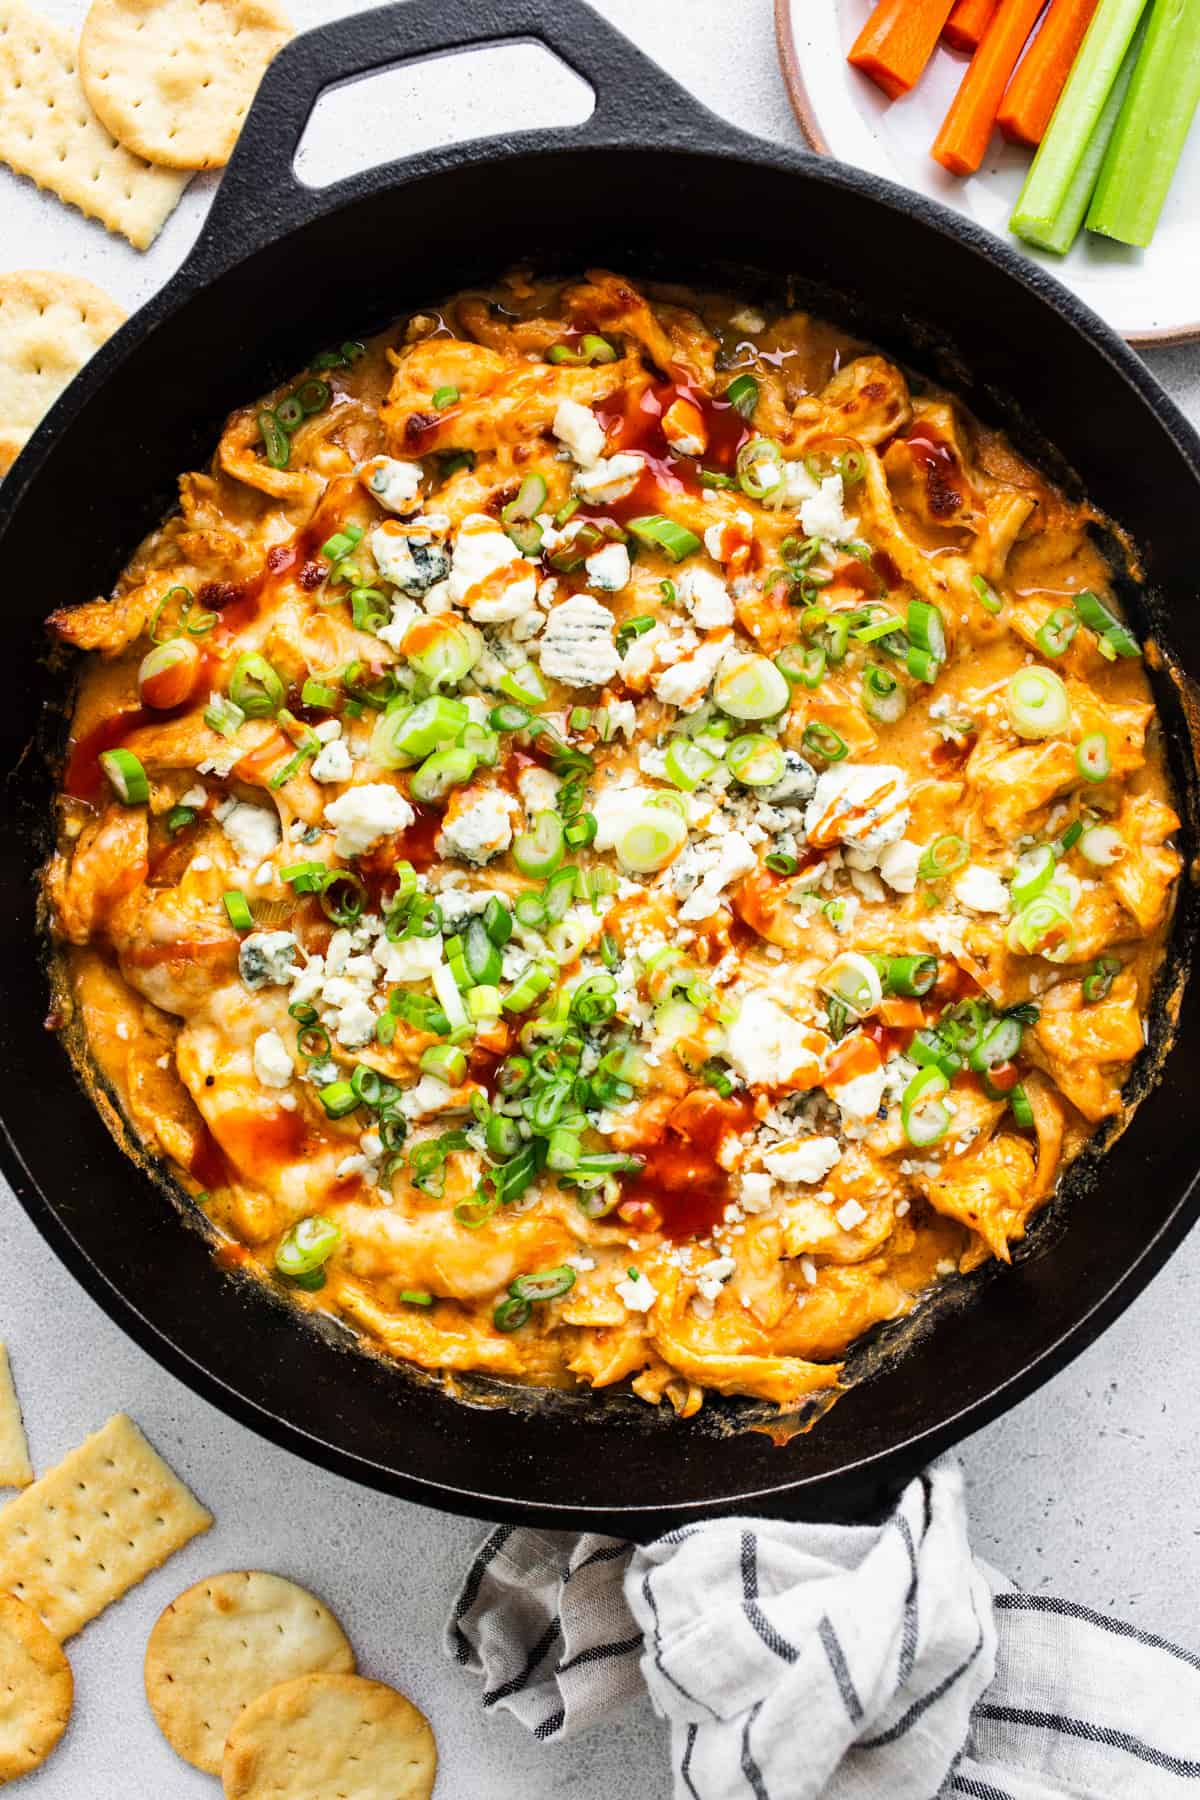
(1075,117)
(1065,229)
(1154,123)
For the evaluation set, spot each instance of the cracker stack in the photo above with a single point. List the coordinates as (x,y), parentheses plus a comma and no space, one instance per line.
(158,88)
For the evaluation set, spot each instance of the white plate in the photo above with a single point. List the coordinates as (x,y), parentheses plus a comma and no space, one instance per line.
(1149,296)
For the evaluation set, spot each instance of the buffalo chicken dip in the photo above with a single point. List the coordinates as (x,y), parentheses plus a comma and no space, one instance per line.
(612,838)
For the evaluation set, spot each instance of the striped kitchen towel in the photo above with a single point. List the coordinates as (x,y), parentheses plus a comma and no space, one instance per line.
(850,1661)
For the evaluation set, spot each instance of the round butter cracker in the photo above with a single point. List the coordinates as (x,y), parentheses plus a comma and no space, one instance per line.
(224,1642)
(173,79)
(36,1689)
(330,1737)
(50,325)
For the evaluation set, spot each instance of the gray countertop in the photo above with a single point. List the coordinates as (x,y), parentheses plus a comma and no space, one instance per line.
(1087,1489)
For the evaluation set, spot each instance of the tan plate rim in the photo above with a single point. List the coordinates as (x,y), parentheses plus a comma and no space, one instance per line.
(802,106)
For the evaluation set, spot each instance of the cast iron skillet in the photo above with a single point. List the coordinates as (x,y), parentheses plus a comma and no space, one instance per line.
(652,182)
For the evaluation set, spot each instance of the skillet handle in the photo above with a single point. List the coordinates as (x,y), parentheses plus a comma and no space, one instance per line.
(260,198)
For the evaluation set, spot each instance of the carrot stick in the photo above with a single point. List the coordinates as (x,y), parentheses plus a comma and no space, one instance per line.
(968,21)
(967,127)
(1034,89)
(897,41)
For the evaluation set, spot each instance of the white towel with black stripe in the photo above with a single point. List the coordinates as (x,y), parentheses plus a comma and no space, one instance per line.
(848,1661)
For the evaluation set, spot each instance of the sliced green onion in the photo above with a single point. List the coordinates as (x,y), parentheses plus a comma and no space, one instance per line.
(497,922)
(484,1003)
(750,687)
(255,686)
(342,896)
(998,1044)
(480,953)
(176,604)
(367,1084)
(755,760)
(633,628)
(801,666)
(473,1213)
(946,854)
(780,863)
(126,776)
(923,623)
(547,1284)
(1102,845)
(446,1062)
(369,609)
(1070,837)
(652,839)
(307,1246)
(591,349)
(222,715)
(923,1111)
(509,717)
(1111,632)
(539,852)
(989,599)
(688,764)
(530,911)
(911,976)
(878,629)
(657,532)
(524,685)
(1043,928)
(483,745)
(883,697)
(823,741)
(317,694)
(379,692)
(339,546)
(179,818)
(275,439)
(449,649)
(1056,634)
(531,498)
(166,673)
(443,397)
(1022,1111)
(930,1051)
(308,877)
(854,979)
(1037,703)
(1097,983)
(581,831)
(405,735)
(238,909)
(761,470)
(530,988)
(922,665)
(1032,873)
(339,1099)
(444,770)
(1092,757)
(526,535)
(742,393)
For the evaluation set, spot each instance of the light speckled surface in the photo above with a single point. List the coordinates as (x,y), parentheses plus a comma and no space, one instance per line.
(1067,1492)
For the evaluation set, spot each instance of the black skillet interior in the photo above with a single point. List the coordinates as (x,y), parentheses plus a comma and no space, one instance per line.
(651,184)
